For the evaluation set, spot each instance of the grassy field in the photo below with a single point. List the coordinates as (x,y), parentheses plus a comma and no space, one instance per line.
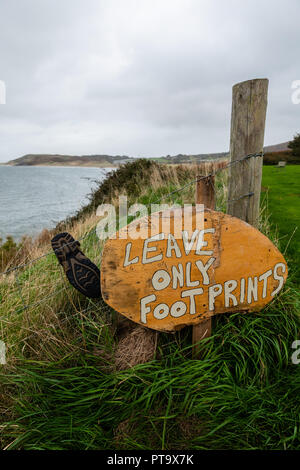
(62,388)
(281,191)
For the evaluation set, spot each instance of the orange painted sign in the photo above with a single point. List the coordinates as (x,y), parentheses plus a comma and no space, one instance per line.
(175,277)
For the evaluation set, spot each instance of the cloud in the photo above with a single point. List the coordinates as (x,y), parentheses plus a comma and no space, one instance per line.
(140,78)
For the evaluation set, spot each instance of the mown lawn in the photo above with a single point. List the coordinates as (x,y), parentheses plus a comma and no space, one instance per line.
(281,190)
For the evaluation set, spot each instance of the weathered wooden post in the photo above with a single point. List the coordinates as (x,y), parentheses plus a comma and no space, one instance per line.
(205,194)
(249,105)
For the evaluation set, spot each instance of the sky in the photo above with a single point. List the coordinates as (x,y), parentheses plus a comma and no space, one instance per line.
(141,77)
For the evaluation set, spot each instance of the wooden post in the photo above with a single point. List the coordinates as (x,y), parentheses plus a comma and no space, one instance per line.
(248,115)
(205,194)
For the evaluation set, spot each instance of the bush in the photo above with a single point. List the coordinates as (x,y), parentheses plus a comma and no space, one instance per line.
(294,145)
(272,158)
(133,179)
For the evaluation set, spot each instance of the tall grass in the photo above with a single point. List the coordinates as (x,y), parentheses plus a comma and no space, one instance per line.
(242,394)
(61,388)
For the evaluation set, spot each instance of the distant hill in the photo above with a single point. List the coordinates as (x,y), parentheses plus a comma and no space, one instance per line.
(277,148)
(182,158)
(68,160)
(101,160)
(114,161)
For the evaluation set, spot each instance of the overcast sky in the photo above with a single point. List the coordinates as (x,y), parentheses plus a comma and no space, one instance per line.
(141,77)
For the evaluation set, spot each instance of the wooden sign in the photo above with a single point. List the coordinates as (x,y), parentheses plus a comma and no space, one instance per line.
(166,282)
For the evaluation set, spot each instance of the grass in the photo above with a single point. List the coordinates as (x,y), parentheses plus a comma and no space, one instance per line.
(243,394)
(61,388)
(281,188)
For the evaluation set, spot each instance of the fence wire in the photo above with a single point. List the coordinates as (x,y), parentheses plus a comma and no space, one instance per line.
(17,268)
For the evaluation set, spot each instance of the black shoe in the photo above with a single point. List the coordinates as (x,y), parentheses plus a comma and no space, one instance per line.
(80,271)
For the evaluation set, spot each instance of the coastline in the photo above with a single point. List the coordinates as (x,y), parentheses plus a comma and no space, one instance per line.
(63,166)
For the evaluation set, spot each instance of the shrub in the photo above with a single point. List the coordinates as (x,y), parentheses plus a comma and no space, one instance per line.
(272,158)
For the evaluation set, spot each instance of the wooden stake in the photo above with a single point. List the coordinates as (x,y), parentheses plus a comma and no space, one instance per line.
(205,194)
(249,105)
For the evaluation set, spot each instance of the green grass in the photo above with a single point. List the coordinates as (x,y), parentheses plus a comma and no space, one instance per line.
(281,188)
(64,391)
(242,394)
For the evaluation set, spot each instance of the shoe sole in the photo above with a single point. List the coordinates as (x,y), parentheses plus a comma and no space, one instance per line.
(80,271)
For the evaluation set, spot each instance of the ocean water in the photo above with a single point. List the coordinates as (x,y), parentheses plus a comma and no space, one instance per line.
(33,198)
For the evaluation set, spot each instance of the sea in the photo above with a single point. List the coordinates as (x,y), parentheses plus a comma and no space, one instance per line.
(33,198)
